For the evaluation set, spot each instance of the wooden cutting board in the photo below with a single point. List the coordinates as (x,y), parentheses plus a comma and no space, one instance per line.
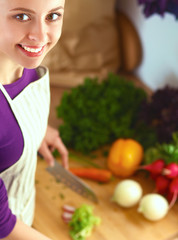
(117,223)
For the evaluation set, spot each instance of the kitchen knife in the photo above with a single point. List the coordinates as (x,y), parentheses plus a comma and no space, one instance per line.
(72,181)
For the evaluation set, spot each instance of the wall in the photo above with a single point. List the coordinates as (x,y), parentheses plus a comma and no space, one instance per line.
(159,37)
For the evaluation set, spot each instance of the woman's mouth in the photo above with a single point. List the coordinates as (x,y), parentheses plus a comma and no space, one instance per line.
(32,51)
(28,49)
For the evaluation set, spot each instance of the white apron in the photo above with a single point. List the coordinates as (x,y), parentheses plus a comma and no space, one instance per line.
(31,109)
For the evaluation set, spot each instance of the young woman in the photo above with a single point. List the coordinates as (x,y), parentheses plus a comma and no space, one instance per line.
(29,30)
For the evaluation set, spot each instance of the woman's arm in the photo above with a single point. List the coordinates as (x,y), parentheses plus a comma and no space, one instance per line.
(23,232)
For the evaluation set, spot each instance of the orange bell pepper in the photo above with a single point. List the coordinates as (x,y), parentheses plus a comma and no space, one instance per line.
(124,157)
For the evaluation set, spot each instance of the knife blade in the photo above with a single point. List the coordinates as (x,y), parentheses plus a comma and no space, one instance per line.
(71,181)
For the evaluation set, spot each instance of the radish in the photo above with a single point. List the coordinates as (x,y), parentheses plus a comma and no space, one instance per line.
(155,167)
(162,184)
(169,197)
(66,216)
(154,176)
(171,170)
(69,209)
(68,212)
(173,189)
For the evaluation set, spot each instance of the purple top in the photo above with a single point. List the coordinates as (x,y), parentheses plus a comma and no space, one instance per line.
(11,144)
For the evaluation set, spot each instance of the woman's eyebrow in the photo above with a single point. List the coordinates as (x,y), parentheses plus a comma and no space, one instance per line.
(55,9)
(31,11)
(22,9)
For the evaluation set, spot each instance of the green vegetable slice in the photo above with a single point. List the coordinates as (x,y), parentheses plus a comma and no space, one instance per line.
(82,222)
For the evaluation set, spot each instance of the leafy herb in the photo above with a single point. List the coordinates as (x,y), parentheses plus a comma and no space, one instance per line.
(166,151)
(96,113)
(80,159)
(83,160)
(159,7)
(161,112)
(36,181)
(61,195)
(82,222)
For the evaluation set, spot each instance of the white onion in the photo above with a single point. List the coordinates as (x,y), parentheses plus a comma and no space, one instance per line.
(127,193)
(153,206)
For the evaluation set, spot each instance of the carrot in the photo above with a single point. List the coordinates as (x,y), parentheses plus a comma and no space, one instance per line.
(100,175)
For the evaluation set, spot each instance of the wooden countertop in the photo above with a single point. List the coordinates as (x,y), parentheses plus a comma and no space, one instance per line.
(117,223)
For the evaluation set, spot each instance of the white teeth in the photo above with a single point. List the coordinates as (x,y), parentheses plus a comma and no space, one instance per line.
(33,50)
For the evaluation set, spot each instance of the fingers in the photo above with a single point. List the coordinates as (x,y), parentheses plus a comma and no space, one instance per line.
(55,142)
(46,153)
(59,145)
(51,142)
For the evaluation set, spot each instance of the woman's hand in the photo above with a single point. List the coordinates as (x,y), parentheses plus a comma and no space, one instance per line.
(51,142)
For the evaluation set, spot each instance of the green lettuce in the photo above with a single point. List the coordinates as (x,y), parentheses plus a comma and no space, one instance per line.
(82,222)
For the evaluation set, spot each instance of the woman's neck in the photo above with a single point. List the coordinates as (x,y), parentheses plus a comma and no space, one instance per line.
(9,71)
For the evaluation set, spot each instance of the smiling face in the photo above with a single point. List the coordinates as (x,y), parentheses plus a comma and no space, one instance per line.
(29,29)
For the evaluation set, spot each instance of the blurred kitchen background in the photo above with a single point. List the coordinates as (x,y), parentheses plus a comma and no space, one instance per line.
(91,43)
(159,38)
(102,36)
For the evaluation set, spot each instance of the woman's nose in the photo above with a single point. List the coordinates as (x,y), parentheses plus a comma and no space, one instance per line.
(38,32)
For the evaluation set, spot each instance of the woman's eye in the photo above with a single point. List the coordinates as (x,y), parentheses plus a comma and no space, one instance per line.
(22,17)
(53,17)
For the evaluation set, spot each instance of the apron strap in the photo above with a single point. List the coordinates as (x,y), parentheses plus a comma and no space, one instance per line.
(5,93)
